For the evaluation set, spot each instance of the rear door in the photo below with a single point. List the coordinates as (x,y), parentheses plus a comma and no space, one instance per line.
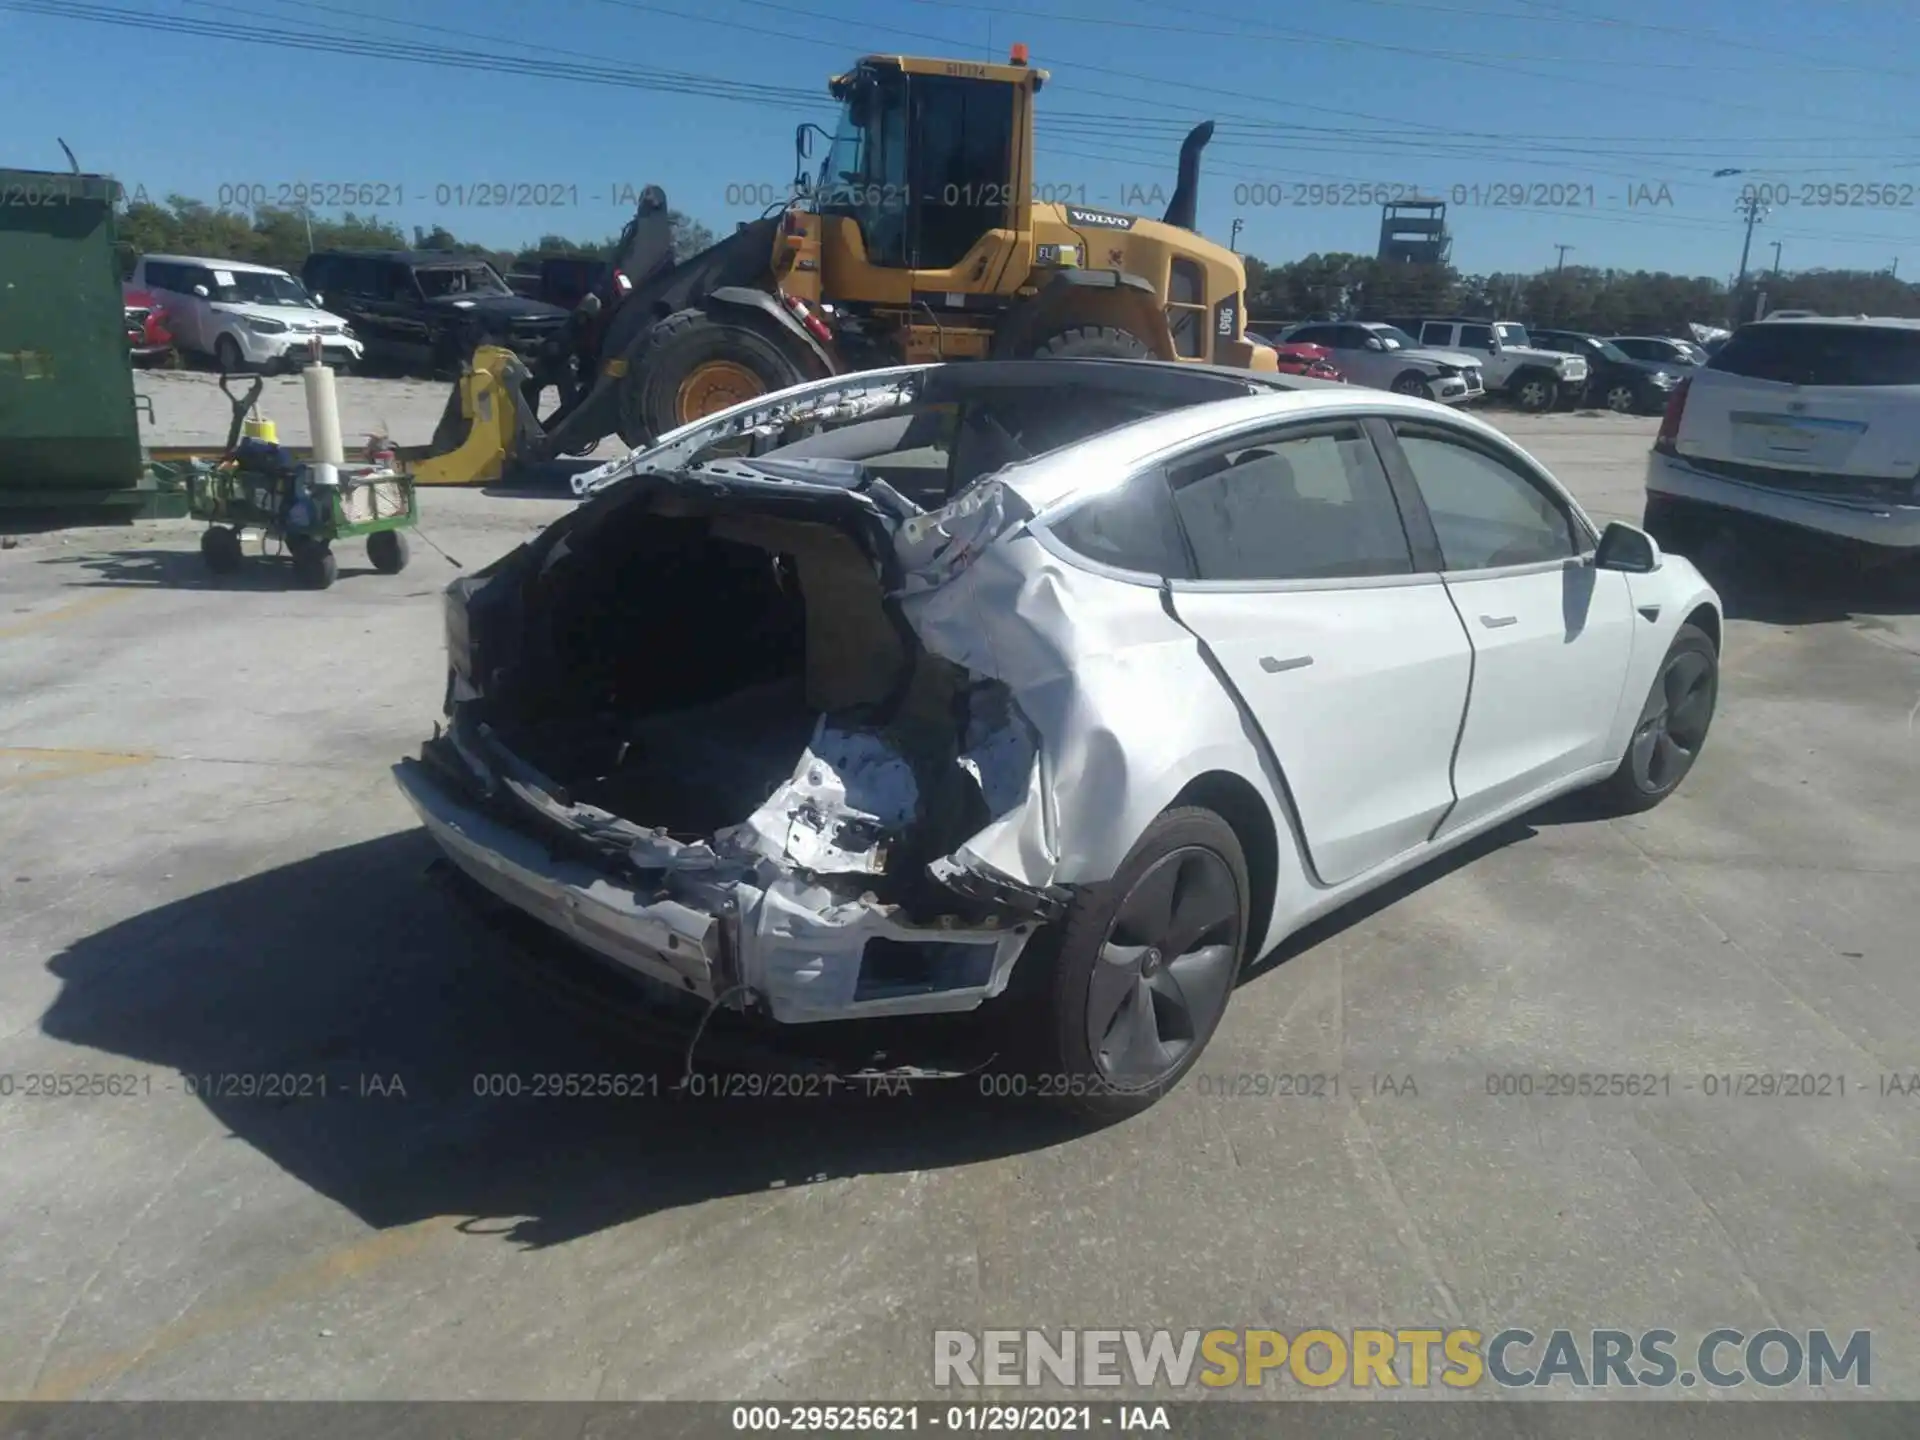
(1551,633)
(1837,400)
(1348,657)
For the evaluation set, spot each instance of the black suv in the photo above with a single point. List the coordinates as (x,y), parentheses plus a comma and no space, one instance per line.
(1615,379)
(423,312)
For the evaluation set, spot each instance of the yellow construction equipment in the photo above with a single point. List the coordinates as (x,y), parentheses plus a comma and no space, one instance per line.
(923,235)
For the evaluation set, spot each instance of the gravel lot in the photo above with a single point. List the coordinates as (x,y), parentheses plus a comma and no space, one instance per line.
(209,872)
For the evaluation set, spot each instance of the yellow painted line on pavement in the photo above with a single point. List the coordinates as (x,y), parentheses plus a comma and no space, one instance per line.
(310,1281)
(74,611)
(22,765)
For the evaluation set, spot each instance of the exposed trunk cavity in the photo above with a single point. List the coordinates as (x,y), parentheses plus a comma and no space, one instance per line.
(737,683)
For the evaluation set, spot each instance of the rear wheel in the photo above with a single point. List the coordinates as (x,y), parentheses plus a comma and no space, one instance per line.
(1146,966)
(314,567)
(387,550)
(1535,391)
(220,549)
(1671,730)
(1092,342)
(695,366)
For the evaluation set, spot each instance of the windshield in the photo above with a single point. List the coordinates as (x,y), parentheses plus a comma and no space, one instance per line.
(1512,334)
(1393,337)
(460,280)
(260,287)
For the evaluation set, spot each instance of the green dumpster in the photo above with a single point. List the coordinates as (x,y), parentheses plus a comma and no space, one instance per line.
(69,435)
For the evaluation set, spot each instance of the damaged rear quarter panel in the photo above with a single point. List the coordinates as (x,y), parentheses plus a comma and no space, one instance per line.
(1127,711)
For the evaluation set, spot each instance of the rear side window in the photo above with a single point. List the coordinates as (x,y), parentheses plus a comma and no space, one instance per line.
(1300,507)
(1803,354)
(1132,528)
(1433,333)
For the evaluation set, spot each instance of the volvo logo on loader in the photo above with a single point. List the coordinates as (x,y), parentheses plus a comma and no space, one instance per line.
(1099,219)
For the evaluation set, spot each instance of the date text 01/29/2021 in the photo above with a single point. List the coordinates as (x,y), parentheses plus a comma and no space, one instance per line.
(1045,1419)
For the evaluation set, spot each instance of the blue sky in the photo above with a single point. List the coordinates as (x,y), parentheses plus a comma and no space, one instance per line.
(1623,106)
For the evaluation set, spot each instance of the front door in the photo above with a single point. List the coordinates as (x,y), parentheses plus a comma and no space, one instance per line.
(1354,666)
(1551,633)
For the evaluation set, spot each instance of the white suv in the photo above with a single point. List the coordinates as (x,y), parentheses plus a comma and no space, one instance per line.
(1811,423)
(1532,378)
(247,317)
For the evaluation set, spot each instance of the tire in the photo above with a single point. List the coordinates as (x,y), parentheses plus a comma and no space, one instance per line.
(1671,730)
(314,567)
(695,365)
(388,551)
(1411,382)
(1535,391)
(228,356)
(1091,342)
(1109,956)
(220,549)
(1622,398)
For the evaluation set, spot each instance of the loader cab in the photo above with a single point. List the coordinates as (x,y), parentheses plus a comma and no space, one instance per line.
(930,169)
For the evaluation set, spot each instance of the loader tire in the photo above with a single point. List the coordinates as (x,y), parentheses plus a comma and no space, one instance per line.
(694,366)
(1095,342)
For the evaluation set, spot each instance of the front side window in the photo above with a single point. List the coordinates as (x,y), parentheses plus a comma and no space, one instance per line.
(1476,337)
(1313,506)
(864,175)
(1486,513)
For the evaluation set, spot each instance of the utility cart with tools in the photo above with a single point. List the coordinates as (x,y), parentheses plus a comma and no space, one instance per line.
(302,505)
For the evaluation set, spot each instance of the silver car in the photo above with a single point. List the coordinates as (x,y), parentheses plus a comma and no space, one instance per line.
(1065,686)
(1369,353)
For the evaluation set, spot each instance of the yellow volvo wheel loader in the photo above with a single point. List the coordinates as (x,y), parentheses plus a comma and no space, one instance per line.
(922,236)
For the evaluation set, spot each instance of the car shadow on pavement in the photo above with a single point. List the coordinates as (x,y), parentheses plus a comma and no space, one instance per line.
(351,972)
(155,569)
(1770,579)
(1567,810)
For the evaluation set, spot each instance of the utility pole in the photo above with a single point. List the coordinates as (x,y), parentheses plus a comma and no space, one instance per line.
(1233,239)
(1776,259)
(1748,205)
(1562,263)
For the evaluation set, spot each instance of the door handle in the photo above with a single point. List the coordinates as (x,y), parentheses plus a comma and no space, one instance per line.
(1273,666)
(1495,622)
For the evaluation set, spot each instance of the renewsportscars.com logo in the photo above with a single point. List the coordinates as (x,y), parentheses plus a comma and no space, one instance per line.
(1366,1359)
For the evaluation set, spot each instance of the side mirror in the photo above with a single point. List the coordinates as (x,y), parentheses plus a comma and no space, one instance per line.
(1493,345)
(590,306)
(201,291)
(1622,547)
(319,299)
(1376,343)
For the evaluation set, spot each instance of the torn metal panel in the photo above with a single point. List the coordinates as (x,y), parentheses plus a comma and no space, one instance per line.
(833,401)
(805,952)
(850,793)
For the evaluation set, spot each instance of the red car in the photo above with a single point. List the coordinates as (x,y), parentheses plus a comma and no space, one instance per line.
(147,334)
(1314,360)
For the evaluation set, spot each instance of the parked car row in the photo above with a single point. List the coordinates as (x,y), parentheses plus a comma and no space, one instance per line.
(1455,360)
(410,312)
